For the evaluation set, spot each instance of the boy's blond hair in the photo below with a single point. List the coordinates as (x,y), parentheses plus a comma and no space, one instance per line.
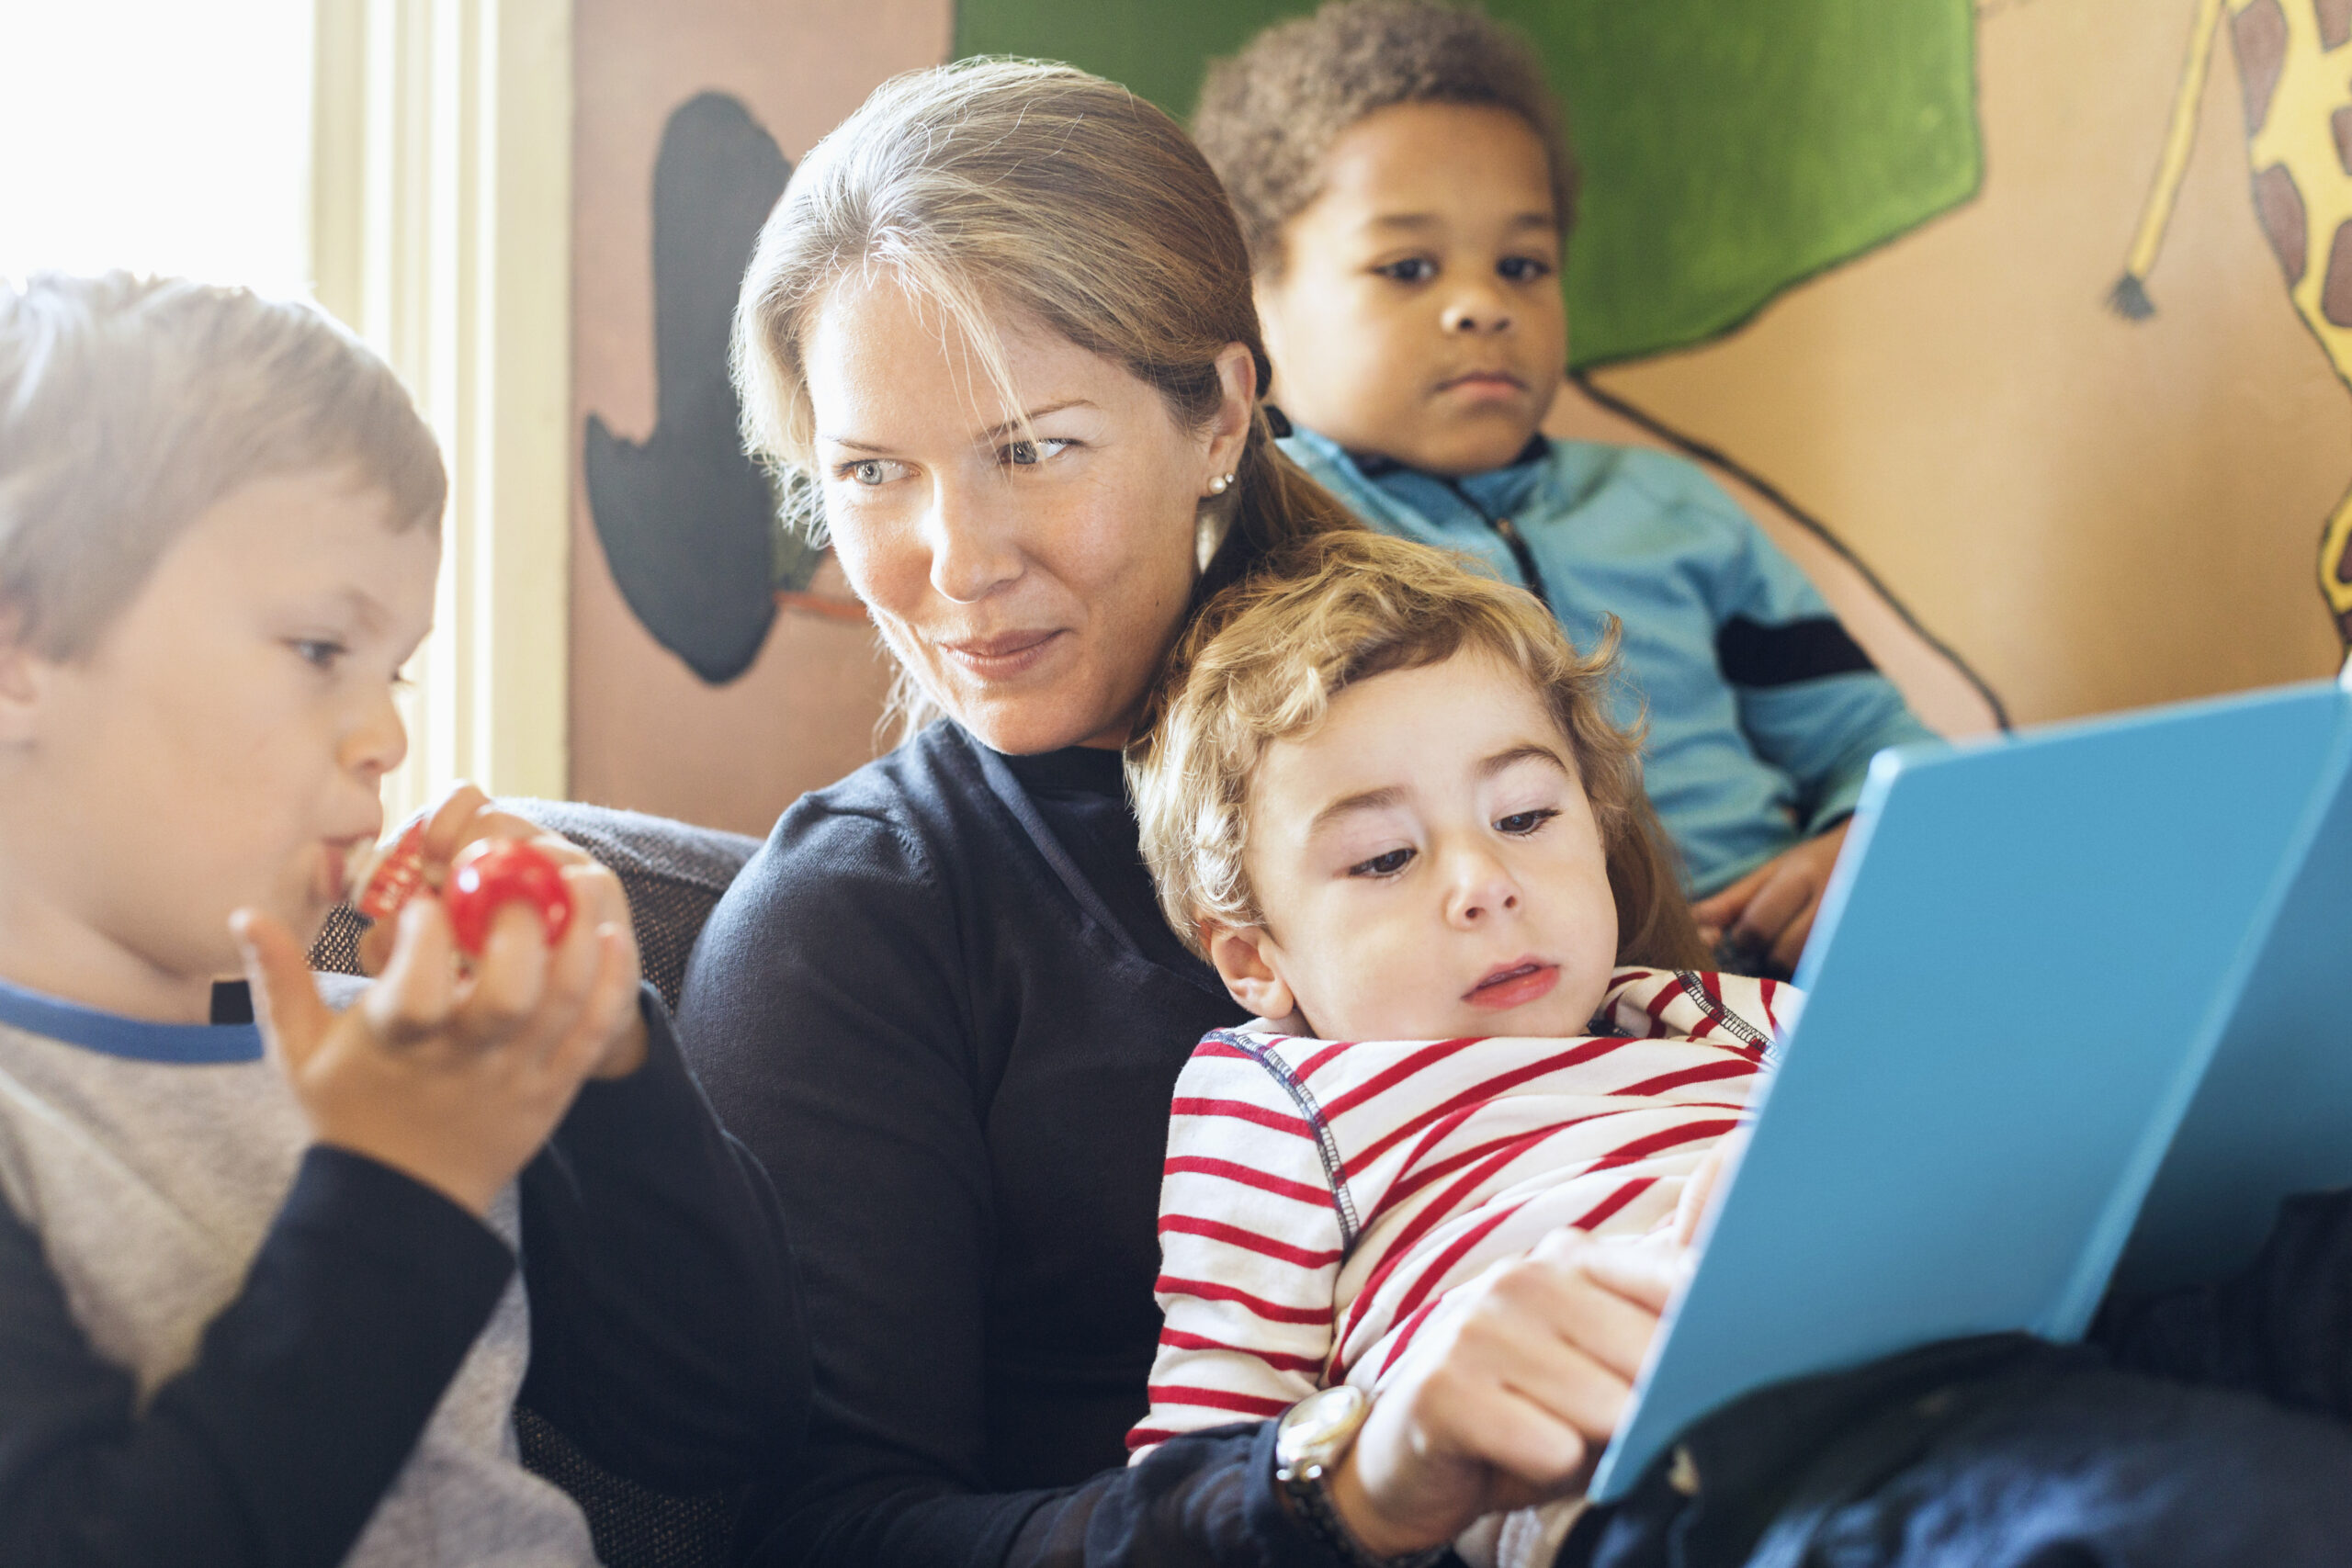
(1263,662)
(1269,114)
(128,405)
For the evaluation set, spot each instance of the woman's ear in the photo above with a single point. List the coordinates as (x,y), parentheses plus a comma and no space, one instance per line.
(1240,954)
(1228,430)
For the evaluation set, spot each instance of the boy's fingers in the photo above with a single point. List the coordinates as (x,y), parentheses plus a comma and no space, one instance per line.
(1719,910)
(581,1049)
(1784,896)
(1790,945)
(277,971)
(516,995)
(596,894)
(414,997)
(446,824)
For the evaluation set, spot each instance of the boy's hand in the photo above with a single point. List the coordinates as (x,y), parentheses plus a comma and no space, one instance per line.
(455,1081)
(1510,1402)
(1770,911)
(465,816)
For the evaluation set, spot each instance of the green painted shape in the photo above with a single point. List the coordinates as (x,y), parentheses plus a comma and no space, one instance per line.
(1730,150)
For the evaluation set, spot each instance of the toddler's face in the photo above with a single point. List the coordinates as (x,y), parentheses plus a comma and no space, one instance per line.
(224,742)
(1428,866)
(1416,313)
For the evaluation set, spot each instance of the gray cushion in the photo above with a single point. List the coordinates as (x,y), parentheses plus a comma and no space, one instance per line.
(673,874)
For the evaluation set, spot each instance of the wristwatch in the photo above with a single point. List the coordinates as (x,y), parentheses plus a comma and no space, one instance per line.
(1311,1440)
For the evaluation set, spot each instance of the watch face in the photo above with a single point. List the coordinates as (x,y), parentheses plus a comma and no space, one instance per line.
(1321,1421)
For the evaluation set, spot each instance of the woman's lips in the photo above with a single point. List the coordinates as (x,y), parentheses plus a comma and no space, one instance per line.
(1514,985)
(1007,653)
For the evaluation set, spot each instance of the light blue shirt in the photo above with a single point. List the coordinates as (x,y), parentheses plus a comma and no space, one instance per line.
(1763,714)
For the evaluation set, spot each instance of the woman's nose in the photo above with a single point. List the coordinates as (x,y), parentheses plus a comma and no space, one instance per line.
(1478,889)
(973,552)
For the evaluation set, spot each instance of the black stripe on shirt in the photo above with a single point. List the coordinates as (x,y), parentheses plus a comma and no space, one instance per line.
(1750,653)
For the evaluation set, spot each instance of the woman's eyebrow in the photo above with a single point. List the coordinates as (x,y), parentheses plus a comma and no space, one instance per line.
(1030,417)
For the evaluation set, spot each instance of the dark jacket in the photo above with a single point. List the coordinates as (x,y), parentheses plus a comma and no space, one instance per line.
(940,1007)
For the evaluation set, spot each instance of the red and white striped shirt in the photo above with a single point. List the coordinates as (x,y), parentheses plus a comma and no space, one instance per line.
(1321,1198)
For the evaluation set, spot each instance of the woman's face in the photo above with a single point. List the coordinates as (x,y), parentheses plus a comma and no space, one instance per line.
(1031,580)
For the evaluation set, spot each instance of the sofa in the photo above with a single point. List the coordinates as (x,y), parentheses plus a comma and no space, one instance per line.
(673,874)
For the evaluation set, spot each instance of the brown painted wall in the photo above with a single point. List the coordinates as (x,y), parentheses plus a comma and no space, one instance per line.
(645,731)
(2098,514)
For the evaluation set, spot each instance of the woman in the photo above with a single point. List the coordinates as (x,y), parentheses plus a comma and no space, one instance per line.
(998,335)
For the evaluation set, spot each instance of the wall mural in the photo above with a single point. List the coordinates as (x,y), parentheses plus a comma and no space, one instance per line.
(1735,158)
(1728,155)
(1729,152)
(2295,76)
(687,521)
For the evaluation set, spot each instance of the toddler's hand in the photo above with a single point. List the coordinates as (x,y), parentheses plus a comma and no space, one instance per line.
(1509,1400)
(455,1081)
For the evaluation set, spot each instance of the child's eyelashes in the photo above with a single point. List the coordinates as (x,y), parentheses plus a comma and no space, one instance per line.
(1523,269)
(322,654)
(1382,865)
(1412,269)
(1518,824)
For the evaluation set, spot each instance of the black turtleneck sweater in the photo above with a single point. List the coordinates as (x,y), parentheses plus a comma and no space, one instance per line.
(941,1006)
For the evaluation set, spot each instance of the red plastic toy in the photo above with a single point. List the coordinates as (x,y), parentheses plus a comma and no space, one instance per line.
(494,873)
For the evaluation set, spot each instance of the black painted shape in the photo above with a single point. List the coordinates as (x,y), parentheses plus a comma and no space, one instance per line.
(686,519)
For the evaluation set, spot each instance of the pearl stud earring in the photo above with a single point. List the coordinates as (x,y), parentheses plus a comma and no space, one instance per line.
(1220,484)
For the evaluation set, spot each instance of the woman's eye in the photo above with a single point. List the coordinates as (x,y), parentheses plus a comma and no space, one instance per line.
(319,653)
(1521,823)
(870,471)
(1523,269)
(1412,269)
(1029,454)
(1387,864)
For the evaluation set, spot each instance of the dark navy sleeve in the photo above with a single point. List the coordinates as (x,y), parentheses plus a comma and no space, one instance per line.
(827,1008)
(665,1325)
(306,1394)
(2281,1327)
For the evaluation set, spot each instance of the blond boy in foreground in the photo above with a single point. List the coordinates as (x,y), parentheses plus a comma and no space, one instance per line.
(260,1300)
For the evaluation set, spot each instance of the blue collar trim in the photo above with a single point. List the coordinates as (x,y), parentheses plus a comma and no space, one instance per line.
(187,1044)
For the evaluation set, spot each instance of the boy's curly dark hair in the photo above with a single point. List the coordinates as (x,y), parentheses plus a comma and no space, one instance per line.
(1269,114)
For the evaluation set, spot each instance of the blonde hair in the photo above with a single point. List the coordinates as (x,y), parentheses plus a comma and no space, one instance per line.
(128,405)
(997,188)
(1262,663)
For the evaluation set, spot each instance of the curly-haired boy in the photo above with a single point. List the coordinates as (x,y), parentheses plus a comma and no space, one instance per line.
(1406,186)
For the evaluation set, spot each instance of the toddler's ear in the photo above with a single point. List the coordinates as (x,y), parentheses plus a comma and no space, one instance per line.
(1240,954)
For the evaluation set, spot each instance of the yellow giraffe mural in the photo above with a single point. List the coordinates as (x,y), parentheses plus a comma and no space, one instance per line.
(2296,75)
